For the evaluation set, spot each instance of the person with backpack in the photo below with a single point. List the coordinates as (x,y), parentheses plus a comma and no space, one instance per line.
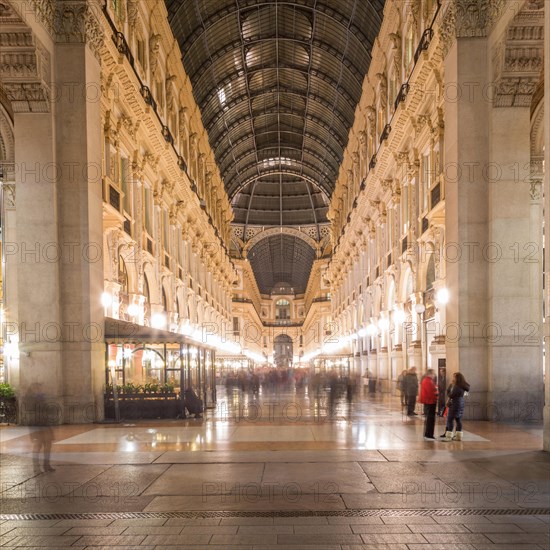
(455,403)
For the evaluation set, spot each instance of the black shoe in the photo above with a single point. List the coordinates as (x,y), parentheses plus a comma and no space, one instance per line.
(442,436)
(430,437)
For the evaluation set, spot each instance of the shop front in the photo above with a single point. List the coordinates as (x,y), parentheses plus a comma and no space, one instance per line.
(147,372)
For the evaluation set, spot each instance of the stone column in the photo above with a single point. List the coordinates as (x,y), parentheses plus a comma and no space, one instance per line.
(547,224)
(514,260)
(466,147)
(38,307)
(79,200)
(60,230)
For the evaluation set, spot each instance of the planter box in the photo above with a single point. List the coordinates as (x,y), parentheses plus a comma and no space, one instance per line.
(144,406)
(8,410)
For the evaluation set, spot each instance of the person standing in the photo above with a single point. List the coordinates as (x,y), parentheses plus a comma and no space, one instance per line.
(455,393)
(411,390)
(401,387)
(428,396)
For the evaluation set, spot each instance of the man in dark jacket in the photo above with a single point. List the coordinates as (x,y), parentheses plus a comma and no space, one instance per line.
(411,390)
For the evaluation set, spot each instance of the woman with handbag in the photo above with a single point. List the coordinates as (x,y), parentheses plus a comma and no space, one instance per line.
(455,404)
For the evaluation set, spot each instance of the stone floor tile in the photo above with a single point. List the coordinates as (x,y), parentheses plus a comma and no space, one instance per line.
(305,520)
(520,538)
(86,522)
(491,546)
(293,547)
(247,521)
(365,520)
(45,541)
(452,538)
(39,531)
(380,546)
(442,528)
(244,539)
(395,528)
(497,528)
(510,518)
(440,547)
(129,522)
(105,530)
(445,520)
(12,523)
(209,530)
(192,521)
(176,540)
(153,530)
(318,539)
(392,538)
(111,540)
(320,529)
(534,527)
(268,529)
(407,520)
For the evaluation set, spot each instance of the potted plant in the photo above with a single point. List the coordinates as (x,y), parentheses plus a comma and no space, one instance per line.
(8,411)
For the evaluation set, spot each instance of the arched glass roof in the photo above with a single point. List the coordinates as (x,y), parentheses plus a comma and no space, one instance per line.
(281,258)
(277,83)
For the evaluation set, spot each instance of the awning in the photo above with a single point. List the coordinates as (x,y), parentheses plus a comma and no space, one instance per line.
(123,332)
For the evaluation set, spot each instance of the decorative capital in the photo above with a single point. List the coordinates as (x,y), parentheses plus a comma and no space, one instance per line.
(75,22)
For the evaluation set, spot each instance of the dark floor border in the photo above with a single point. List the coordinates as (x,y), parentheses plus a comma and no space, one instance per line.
(289,513)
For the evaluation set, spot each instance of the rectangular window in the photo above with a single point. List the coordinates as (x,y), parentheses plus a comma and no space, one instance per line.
(160,94)
(426,180)
(235,325)
(405,209)
(147,205)
(166,230)
(141,52)
(126,184)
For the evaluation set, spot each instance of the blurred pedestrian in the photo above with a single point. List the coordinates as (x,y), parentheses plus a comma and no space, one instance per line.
(428,397)
(411,390)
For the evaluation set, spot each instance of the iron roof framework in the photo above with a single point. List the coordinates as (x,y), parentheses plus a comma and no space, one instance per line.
(277,83)
(289,259)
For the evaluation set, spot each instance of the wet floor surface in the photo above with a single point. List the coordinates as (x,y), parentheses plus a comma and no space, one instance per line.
(279,470)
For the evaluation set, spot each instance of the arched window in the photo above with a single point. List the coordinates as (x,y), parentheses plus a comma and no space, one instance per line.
(122,275)
(430,272)
(282,310)
(147,295)
(164,300)
(409,47)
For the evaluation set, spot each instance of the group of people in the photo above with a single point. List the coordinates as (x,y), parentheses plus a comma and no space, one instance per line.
(409,386)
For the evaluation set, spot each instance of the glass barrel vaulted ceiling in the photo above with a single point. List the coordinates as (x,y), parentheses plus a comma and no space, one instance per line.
(277,83)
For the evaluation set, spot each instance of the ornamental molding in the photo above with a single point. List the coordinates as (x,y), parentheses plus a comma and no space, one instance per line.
(25,65)
(27,97)
(76,23)
(535,189)
(518,59)
(468,19)
(278,231)
(45,13)
(475,18)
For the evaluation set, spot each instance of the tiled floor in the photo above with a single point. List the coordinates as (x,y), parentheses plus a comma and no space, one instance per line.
(282,470)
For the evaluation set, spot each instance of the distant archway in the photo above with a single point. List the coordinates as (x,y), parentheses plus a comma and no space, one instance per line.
(283,351)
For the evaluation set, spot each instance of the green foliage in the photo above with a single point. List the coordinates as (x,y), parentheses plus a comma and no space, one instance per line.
(6,391)
(148,388)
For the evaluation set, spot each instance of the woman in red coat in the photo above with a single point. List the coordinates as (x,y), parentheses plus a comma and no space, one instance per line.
(428,396)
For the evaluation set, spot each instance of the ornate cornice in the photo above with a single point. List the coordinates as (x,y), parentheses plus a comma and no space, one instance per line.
(518,59)
(75,22)
(468,19)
